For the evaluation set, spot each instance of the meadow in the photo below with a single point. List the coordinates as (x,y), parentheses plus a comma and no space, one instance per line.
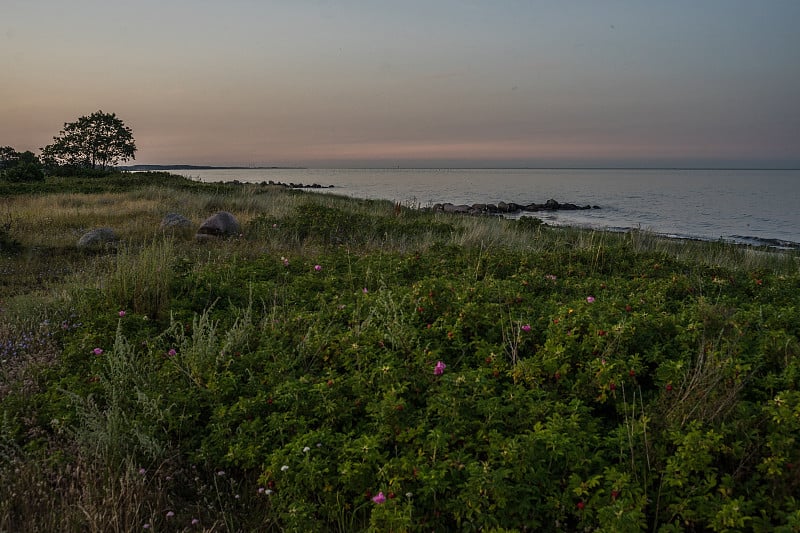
(354,365)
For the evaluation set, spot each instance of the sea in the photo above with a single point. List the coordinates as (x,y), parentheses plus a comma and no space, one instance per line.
(755,207)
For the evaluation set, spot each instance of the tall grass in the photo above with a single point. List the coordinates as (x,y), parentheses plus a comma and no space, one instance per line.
(55,221)
(141,276)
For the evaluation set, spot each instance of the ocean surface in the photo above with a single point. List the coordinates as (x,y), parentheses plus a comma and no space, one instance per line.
(757,207)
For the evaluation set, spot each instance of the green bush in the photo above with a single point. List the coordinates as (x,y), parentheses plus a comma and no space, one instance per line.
(23,172)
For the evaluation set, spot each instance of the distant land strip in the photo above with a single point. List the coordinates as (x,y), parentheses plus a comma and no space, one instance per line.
(135,168)
(139,168)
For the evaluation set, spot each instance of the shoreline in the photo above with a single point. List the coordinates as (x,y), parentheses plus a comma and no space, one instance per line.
(515,211)
(741,206)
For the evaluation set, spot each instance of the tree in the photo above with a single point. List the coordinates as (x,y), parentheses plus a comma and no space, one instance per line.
(19,166)
(99,140)
(8,157)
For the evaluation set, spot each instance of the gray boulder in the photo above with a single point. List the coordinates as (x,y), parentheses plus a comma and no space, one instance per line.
(97,238)
(222,224)
(174,221)
(450,208)
(510,207)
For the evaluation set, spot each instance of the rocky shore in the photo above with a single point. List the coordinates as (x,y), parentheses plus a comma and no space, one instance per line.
(282,184)
(504,208)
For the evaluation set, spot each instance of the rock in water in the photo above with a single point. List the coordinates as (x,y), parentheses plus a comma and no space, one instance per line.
(222,224)
(97,237)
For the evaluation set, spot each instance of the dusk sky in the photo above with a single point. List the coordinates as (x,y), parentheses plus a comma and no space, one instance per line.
(412,83)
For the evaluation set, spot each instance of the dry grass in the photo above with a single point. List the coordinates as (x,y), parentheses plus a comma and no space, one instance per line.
(49,226)
(81,496)
(56,220)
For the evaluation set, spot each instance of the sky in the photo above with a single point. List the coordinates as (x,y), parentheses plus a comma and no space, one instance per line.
(501,83)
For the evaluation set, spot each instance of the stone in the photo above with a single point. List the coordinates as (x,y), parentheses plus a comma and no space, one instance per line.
(508,207)
(450,208)
(97,238)
(175,221)
(221,224)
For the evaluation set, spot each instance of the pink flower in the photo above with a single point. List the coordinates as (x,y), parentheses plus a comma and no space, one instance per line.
(526,327)
(97,351)
(364,290)
(172,352)
(590,299)
(438,370)
(379,499)
(195,521)
(121,313)
(170,514)
(317,267)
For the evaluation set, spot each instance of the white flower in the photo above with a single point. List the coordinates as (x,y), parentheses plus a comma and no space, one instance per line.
(284,468)
(306,449)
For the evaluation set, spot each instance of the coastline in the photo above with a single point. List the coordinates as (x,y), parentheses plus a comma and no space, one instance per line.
(514,211)
(743,206)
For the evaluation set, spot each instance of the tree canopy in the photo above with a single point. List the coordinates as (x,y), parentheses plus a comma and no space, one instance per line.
(19,166)
(8,157)
(100,140)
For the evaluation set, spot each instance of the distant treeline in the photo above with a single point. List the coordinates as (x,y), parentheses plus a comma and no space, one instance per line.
(147,168)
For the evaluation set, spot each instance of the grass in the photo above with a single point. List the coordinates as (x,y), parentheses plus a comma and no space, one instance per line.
(593,380)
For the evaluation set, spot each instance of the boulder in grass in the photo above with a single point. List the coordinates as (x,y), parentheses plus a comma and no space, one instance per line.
(222,224)
(175,222)
(97,238)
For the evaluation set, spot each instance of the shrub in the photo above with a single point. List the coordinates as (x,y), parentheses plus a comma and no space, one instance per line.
(23,172)
(428,375)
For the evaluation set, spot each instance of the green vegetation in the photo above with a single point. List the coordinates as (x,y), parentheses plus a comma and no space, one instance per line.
(350,365)
(19,166)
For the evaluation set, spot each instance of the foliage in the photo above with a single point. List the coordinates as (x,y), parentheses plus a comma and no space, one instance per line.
(19,167)
(7,242)
(343,367)
(100,140)
(112,181)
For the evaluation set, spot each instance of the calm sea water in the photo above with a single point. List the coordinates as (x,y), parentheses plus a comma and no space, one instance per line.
(743,206)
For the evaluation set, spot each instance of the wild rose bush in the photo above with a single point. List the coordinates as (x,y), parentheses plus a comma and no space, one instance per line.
(452,388)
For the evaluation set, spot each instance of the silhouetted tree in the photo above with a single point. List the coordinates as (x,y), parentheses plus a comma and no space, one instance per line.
(19,166)
(8,157)
(100,140)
